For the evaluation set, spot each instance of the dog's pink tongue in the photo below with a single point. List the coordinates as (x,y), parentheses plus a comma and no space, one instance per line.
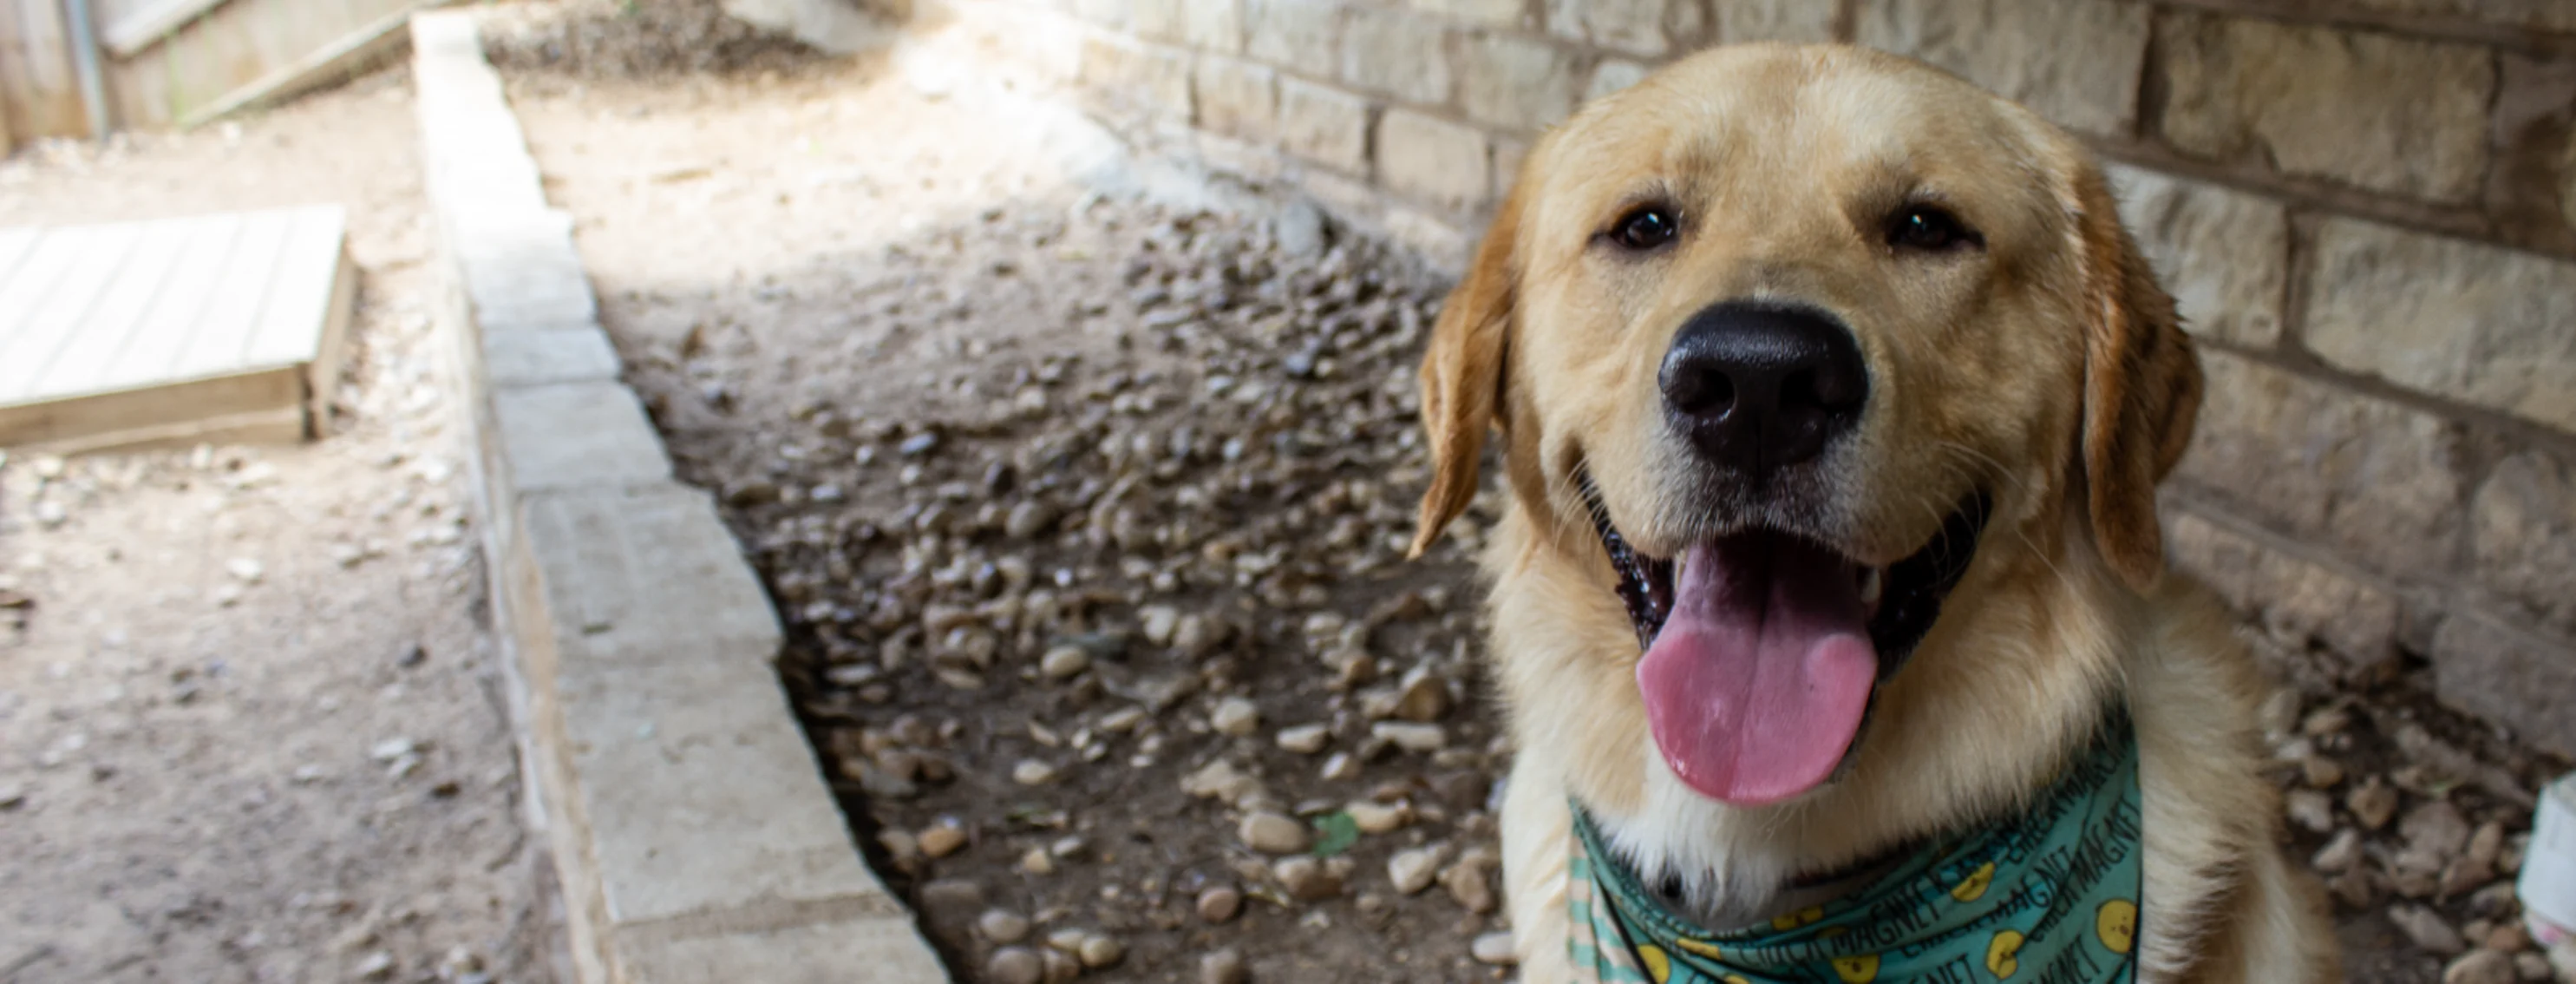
(1756,685)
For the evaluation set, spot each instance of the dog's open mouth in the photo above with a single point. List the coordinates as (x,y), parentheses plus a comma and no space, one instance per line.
(1764,648)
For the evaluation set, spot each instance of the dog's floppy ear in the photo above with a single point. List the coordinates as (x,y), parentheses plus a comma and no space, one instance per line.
(1462,372)
(2141,388)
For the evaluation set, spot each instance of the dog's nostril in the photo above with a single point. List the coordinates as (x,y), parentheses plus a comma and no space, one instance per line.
(1700,393)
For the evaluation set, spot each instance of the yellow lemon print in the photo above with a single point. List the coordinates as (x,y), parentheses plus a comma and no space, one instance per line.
(1856,970)
(1658,966)
(2002,954)
(1975,886)
(1793,920)
(2117,922)
(1736,979)
(1832,932)
(1702,947)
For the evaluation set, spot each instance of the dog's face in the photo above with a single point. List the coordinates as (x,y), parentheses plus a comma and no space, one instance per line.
(1781,341)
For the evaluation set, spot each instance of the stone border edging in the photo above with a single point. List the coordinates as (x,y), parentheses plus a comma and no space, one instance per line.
(692,836)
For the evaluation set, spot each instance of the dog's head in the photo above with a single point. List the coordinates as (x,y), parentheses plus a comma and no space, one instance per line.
(1782,343)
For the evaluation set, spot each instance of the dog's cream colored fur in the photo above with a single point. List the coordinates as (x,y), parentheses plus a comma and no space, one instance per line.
(2045,370)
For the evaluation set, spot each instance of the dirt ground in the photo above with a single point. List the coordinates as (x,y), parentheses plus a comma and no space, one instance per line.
(1085,514)
(251,726)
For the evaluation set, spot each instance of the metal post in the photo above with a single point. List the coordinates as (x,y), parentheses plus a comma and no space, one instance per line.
(93,89)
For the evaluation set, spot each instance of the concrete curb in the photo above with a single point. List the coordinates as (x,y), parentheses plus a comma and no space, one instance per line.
(690,829)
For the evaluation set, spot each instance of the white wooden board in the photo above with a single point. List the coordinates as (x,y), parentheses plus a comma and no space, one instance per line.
(172,330)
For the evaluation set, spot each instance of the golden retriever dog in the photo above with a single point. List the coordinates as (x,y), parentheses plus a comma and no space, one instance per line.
(1832,398)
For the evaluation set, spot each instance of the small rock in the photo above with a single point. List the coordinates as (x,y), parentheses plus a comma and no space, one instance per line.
(12,796)
(1304,739)
(1097,951)
(1003,926)
(1235,716)
(2485,846)
(1027,520)
(951,898)
(248,571)
(1272,833)
(1061,967)
(1422,697)
(1221,781)
(392,748)
(1341,766)
(2511,937)
(1494,949)
(2562,960)
(942,839)
(1378,818)
(2373,802)
(1015,965)
(2437,829)
(376,967)
(1032,772)
(2320,772)
(1410,737)
(2339,852)
(2533,968)
(1307,879)
(2427,929)
(1037,861)
(1064,661)
(1220,904)
(1415,870)
(1470,881)
(2480,967)
(1158,621)
(1224,967)
(2311,810)
(2326,721)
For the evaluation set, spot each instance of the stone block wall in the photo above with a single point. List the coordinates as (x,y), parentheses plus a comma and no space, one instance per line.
(2366,209)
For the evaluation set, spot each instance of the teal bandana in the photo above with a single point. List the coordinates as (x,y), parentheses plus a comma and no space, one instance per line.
(2050,897)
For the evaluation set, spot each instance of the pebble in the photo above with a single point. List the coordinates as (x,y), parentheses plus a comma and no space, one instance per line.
(1304,739)
(951,898)
(2311,810)
(12,796)
(376,967)
(1307,879)
(1097,951)
(1341,766)
(2339,852)
(1378,818)
(1158,621)
(2437,829)
(1235,716)
(942,839)
(1495,949)
(1422,697)
(1272,833)
(2534,967)
(1061,967)
(1410,737)
(1032,772)
(1470,882)
(2427,929)
(1224,967)
(2373,802)
(2320,772)
(2480,967)
(1037,861)
(1002,926)
(1015,965)
(245,570)
(1062,662)
(1414,870)
(1028,519)
(1220,904)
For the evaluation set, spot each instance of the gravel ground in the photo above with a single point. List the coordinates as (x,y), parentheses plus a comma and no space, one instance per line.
(250,732)
(1085,514)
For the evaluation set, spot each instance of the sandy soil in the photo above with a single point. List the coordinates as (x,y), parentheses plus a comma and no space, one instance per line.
(251,727)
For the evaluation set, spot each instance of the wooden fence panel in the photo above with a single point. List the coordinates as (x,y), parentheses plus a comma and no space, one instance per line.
(39,93)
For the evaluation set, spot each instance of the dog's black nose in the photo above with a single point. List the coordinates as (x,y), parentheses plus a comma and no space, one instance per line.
(1760,387)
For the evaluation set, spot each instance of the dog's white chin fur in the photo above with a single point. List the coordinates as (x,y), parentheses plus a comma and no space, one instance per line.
(1733,865)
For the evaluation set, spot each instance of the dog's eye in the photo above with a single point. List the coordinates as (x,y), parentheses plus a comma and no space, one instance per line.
(1645,229)
(1930,229)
